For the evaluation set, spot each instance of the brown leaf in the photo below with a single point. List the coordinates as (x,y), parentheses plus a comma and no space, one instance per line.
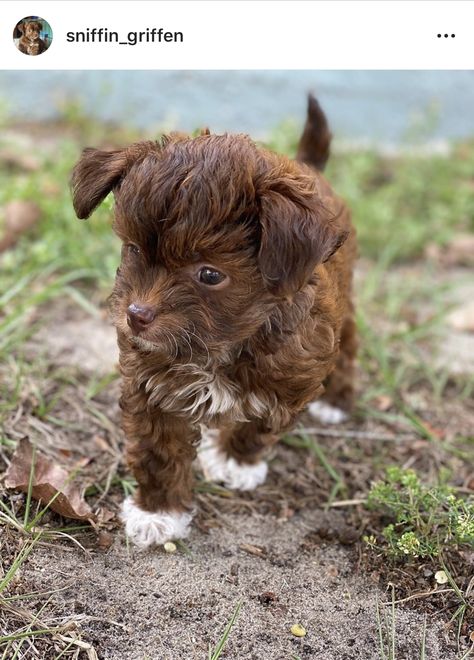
(19,217)
(49,478)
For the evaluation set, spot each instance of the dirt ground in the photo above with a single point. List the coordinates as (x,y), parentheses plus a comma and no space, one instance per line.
(134,606)
(278,552)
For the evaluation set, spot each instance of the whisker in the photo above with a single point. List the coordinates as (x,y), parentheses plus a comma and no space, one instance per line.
(176,351)
(182,334)
(202,342)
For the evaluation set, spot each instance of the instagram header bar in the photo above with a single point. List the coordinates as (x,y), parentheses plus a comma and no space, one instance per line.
(237,35)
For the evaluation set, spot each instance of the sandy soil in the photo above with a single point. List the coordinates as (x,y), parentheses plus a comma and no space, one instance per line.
(163,607)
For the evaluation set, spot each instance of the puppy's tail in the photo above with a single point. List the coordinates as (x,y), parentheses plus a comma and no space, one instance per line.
(314,144)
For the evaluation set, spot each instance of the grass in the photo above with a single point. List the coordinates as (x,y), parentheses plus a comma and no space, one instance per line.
(387,634)
(465,602)
(386,627)
(309,443)
(11,643)
(215,654)
(386,621)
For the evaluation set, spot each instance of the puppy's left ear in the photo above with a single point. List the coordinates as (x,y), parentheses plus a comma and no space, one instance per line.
(94,176)
(297,233)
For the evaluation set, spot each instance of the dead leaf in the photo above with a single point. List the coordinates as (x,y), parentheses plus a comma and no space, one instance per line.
(19,216)
(49,478)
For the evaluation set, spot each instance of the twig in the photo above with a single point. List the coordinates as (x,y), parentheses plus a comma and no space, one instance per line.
(348,433)
(421,595)
(347,503)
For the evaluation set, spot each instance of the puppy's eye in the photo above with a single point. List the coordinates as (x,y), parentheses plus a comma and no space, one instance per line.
(210,276)
(132,248)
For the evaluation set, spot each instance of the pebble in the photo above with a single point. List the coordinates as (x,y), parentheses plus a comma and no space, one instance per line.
(297,630)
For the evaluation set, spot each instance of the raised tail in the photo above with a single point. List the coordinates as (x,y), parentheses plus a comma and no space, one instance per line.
(314,145)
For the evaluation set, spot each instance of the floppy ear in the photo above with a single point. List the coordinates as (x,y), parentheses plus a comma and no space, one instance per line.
(94,176)
(296,235)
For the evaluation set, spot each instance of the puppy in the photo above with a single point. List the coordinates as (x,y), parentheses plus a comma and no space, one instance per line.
(30,42)
(232,304)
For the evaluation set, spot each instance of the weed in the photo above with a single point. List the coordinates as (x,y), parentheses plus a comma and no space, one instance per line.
(426,520)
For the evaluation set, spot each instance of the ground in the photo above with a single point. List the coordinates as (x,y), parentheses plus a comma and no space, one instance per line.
(291,552)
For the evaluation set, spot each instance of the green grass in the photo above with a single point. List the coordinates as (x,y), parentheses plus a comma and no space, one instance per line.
(215,654)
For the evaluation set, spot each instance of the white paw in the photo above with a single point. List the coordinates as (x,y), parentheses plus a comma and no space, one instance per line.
(146,529)
(217,467)
(326,413)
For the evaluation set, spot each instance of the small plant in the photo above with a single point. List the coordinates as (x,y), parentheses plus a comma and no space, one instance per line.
(426,520)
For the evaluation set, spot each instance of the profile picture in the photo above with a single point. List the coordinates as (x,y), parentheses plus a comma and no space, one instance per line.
(32,35)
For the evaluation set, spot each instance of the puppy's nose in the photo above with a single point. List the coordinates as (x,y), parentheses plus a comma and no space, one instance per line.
(139,316)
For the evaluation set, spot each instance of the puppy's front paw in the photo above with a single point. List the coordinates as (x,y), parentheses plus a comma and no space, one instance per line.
(146,529)
(217,467)
(326,413)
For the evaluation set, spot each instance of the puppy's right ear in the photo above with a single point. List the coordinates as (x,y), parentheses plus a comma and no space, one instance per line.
(94,176)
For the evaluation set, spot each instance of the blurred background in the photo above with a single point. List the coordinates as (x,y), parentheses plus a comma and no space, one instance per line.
(371,107)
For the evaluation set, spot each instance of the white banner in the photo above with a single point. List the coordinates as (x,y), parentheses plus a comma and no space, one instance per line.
(243,35)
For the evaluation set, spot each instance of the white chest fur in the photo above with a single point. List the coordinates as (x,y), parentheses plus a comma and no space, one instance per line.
(204,394)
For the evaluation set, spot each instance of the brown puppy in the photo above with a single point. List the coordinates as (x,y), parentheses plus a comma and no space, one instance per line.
(30,42)
(232,305)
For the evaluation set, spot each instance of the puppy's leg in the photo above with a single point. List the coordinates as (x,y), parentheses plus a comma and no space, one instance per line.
(233,456)
(338,398)
(160,452)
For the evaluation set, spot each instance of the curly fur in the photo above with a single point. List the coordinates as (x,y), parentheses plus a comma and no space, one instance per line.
(30,42)
(244,358)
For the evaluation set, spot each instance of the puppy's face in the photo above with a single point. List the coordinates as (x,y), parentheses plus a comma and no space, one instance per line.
(32,30)
(215,234)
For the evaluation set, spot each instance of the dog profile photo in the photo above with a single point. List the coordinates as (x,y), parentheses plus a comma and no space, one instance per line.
(32,35)
(232,305)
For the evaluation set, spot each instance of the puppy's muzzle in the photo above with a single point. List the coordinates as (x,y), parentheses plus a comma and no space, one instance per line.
(139,317)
